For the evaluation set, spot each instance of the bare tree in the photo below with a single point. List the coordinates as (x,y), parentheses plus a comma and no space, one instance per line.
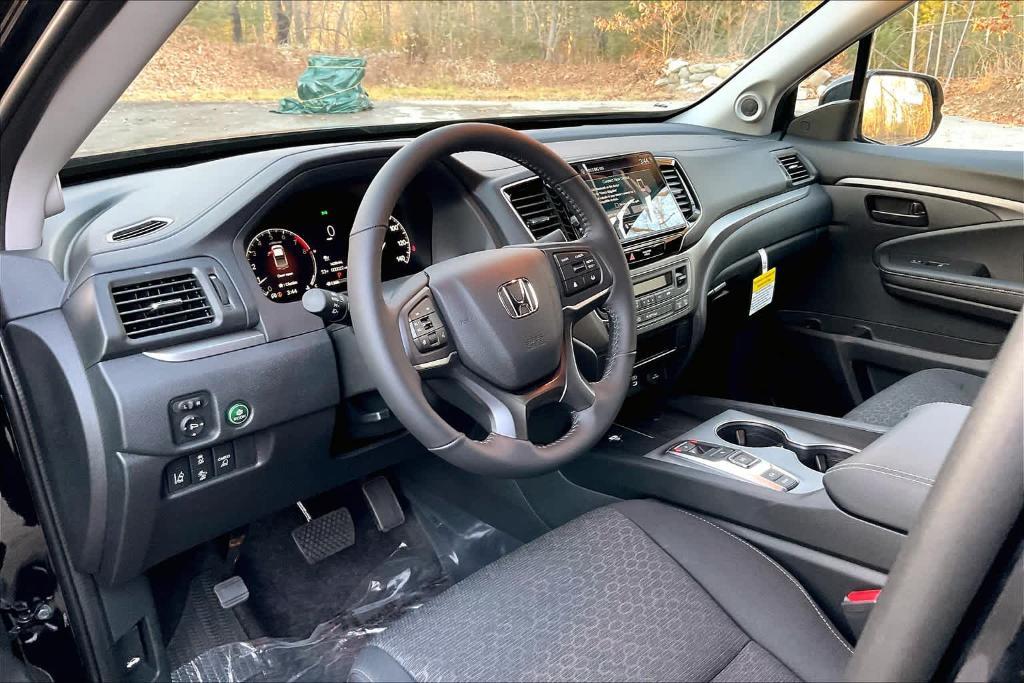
(236,22)
(913,40)
(282,22)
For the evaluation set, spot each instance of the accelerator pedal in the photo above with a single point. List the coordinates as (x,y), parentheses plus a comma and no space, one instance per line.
(387,511)
(324,536)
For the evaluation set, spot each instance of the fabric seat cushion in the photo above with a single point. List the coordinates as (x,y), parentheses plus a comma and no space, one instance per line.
(937,385)
(634,591)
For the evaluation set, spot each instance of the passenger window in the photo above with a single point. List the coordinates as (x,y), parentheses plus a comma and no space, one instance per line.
(976,51)
(829,83)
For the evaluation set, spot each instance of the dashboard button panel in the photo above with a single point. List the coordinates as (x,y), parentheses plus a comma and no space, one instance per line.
(200,467)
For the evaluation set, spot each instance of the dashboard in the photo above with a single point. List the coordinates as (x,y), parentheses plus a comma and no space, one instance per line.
(302,242)
(240,372)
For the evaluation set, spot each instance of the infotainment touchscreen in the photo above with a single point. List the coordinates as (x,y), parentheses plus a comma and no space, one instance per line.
(634,194)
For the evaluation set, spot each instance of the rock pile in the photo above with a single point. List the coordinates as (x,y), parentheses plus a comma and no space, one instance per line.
(699,77)
(695,77)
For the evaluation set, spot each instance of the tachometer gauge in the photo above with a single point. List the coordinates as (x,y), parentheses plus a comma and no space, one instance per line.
(397,253)
(284,264)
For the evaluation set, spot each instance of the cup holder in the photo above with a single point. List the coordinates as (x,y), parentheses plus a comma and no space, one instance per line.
(758,435)
(751,435)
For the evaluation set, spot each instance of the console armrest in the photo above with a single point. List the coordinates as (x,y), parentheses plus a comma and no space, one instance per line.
(887,482)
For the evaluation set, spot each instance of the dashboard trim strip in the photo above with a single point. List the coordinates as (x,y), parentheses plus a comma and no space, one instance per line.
(204,348)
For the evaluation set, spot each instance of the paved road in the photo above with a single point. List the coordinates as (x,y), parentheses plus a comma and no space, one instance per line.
(133,125)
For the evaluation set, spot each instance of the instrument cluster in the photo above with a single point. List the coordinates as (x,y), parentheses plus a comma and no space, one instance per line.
(303,244)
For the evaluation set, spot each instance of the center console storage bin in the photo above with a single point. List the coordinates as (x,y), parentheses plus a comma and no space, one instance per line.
(887,482)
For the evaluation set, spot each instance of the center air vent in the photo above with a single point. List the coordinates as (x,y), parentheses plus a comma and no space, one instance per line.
(139,229)
(680,188)
(539,210)
(163,305)
(794,168)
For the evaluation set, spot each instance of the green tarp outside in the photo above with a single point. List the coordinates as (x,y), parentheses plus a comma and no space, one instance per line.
(330,85)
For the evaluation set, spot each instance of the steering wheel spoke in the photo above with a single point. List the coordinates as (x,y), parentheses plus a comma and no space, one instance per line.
(507,412)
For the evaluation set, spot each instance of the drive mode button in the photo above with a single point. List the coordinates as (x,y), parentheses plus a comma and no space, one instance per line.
(238,413)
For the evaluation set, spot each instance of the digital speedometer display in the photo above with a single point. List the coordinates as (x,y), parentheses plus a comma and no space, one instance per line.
(283,262)
(307,247)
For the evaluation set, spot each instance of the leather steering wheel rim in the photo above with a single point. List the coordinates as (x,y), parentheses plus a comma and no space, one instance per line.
(380,323)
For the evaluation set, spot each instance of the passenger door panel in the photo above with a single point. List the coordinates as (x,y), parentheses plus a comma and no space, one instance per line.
(966,270)
(924,265)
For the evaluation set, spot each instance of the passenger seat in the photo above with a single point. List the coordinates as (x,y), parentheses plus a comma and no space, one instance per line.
(937,385)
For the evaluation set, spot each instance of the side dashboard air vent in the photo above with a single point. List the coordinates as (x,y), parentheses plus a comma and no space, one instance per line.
(541,212)
(680,188)
(794,168)
(162,305)
(140,229)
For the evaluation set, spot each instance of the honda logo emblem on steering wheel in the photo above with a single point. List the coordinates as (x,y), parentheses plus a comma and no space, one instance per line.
(518,297)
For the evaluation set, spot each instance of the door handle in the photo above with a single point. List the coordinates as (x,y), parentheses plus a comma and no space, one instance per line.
(897,211)
(897,218)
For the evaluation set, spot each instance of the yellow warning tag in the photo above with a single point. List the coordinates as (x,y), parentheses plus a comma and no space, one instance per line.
(764,290)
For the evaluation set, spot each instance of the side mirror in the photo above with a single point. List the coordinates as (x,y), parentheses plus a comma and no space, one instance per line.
(839,89)
(900,108)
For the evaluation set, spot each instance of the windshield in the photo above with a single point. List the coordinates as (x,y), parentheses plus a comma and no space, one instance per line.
(247,67)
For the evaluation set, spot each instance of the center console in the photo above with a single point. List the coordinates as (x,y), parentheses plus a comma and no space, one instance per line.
(751,449)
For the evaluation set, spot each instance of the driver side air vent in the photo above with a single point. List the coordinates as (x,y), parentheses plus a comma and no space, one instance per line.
(139,229)
(163,305)
(794,168)
(539,211)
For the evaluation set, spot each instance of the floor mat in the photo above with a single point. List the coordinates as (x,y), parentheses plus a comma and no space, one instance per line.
(203,622)
(291,597)
(363,588)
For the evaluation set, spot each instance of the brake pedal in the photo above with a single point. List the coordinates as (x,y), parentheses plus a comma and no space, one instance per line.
(387,511)
(324,536)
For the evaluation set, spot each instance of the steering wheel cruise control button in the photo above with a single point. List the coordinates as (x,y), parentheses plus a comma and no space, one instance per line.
(238,413)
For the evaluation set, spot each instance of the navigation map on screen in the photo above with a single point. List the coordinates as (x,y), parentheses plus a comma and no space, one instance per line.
(634,194)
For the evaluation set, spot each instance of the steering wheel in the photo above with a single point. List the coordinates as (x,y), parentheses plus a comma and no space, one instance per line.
(492,330)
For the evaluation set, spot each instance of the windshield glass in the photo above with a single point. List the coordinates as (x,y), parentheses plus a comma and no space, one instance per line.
(246,67)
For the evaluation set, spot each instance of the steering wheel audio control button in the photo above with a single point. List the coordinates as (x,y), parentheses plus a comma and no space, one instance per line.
(238,413)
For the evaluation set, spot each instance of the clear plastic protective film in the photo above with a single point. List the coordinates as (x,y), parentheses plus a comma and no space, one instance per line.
(402,583)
